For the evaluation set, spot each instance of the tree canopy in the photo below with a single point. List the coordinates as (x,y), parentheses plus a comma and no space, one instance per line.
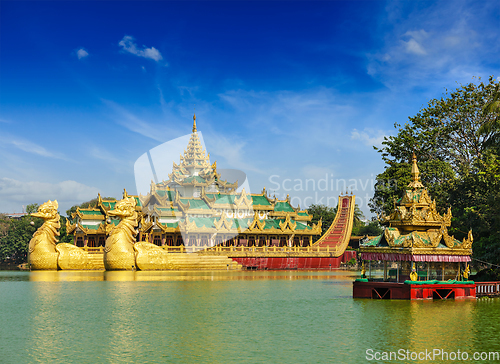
(15,235)
(455,139)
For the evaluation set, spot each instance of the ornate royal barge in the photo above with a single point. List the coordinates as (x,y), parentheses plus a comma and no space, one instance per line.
(196,220)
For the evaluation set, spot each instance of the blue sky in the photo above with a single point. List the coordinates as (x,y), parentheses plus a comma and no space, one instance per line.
(285,91)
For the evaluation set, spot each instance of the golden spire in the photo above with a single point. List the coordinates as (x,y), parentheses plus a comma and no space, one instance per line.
(415,174)
(194,123)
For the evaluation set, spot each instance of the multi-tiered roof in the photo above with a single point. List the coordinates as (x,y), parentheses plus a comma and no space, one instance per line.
(415,231)
(195,199)
(195,170)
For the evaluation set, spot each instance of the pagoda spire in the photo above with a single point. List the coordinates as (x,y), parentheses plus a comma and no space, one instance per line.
(194,123)
(415,174)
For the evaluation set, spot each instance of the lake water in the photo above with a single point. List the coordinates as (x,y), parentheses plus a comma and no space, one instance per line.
(225,317)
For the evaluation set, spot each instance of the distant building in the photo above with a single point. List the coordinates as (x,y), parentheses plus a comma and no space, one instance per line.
(15,215)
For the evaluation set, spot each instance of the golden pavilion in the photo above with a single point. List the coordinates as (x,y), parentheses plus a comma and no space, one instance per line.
(196,207)
(416,238)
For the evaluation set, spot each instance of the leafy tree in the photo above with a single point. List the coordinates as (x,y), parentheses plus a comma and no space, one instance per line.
(476,205)
(447,129)
(14,245)
(4,225)
(373,228)
(456,139)
(15,235)
(323,212)
(64,237)
(32,208)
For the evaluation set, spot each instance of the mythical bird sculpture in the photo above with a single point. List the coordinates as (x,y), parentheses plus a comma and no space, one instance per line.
(42,247)
(44,254)
(119,250)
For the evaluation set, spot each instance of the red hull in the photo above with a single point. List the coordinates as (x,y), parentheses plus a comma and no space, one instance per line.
(393,290)
(295,262)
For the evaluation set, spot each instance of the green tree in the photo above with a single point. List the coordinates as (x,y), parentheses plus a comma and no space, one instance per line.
(456,142)
(14,245)
(324,213)
(32,208)
(447,130)
(4,225)
(15,235)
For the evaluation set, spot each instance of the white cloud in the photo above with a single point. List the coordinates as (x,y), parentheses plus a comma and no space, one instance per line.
(368,136)
(28,146)
(436,44)
(160,131)
(412,46)
(14,194)
(81,53)
(128,45)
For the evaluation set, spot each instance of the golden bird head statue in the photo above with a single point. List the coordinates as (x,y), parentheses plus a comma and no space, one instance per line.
(124,208)
(47,210)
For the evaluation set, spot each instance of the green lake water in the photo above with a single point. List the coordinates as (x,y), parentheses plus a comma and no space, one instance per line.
(225,317)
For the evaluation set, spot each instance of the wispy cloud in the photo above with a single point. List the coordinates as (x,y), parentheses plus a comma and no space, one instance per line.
(160,131)
(414,44)
(436,44)
(128,45)
(369,137)
(28,146)
(82,53)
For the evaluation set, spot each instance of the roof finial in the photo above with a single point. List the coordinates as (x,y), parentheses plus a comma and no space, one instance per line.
(415,174)
(194,123)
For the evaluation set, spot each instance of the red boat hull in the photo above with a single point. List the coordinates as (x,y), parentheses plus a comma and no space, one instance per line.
(295,262)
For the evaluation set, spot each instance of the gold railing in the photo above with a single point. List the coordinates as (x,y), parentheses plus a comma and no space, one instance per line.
(93,250)
(232,249)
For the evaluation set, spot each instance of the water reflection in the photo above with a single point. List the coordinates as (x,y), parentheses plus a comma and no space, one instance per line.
(145,276)
(417,326)
(223,317)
